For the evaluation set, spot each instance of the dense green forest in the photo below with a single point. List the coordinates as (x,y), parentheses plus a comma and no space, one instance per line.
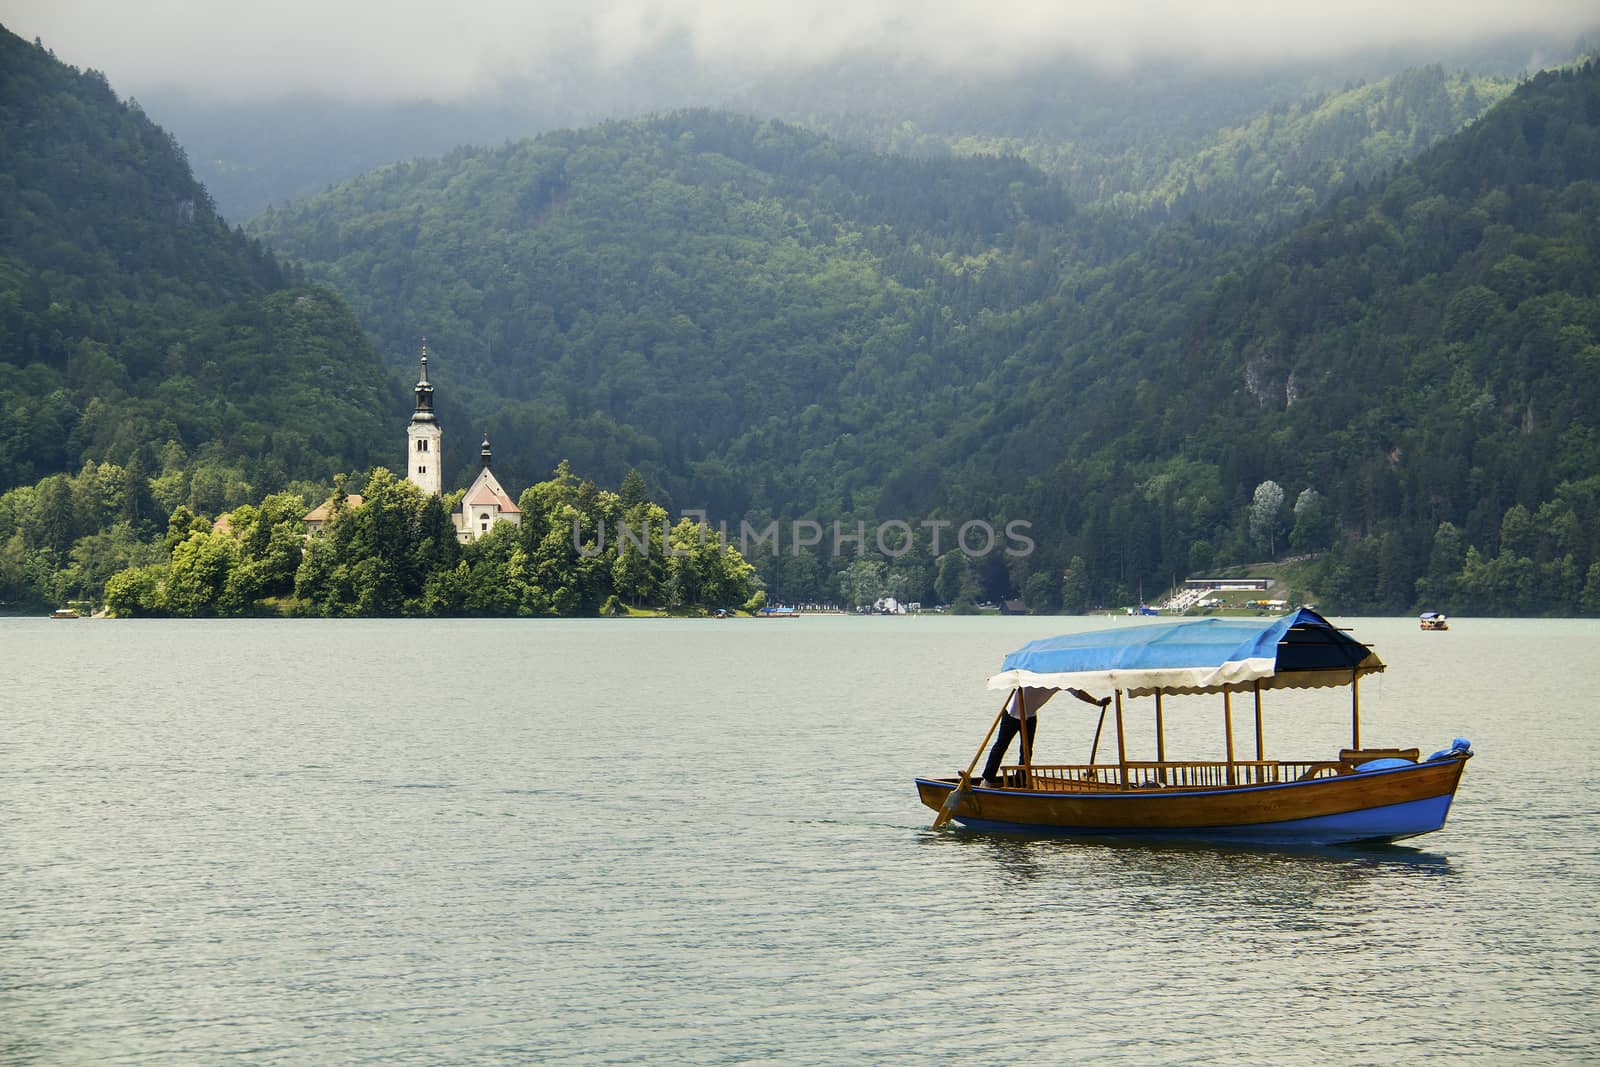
(1414,371)
(150,355)
(775,325)
(642,293)
(1277,332)
(392,551)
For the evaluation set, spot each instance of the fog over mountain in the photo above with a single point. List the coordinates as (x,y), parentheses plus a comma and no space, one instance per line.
(365,50)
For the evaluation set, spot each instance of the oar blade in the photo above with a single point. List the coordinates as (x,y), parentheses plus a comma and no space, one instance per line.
(947,810)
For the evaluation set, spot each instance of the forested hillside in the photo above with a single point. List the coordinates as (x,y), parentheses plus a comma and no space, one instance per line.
(1427,354)
(776,325)
(644,293)
(1256,152)
(150,355)
(779,327)
(1414,372)
(1127,136)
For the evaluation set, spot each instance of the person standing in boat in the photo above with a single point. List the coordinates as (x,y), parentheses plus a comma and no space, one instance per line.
(1024,706)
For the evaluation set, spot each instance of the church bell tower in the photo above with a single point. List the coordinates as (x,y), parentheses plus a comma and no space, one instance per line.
(422,437)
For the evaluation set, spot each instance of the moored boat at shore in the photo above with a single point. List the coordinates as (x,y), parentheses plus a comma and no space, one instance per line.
(1359,794)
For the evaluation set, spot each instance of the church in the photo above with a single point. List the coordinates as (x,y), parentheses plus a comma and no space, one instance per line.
(485,502)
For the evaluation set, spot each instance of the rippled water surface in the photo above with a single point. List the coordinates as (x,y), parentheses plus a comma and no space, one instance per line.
(698,842)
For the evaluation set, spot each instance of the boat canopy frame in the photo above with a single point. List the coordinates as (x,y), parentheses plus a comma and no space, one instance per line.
(1227,656)
(1301,650)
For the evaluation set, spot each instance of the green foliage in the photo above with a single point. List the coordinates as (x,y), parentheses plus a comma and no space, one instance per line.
(146,345)
(397,554)
(756,319)
(134,321)
(674,294)
(1290,159)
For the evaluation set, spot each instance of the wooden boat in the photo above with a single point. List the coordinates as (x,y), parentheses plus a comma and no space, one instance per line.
(1434,620)
(1355,795)
(65,613)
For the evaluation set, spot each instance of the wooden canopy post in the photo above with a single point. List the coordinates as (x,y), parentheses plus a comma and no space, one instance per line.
(1161,737)
(1027,747)
(1122,748)
(1355,708)
(1227,726)
(1260,755)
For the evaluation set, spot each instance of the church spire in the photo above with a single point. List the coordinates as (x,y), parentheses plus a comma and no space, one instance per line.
(424,412)
(484,454)
(424,466)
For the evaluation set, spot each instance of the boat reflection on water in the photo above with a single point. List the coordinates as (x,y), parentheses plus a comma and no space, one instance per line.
(1279,885)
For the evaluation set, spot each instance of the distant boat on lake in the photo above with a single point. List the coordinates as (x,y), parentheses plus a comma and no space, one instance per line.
(1434,620)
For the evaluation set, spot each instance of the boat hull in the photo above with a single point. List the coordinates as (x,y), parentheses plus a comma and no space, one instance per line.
(1366,806)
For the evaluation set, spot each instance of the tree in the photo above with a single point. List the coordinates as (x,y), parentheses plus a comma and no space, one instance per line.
(1075,587)
(1436,589)
(1313,523)
(861,583)
(1589,604)
(1042,593)
(136,592)
(639,570)
(955,577)
(199,574)
(1266,515)
(633,491)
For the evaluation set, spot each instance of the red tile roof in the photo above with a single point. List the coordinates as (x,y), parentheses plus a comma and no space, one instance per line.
(324,511)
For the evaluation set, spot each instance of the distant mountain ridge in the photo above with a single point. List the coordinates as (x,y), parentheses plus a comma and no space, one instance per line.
(1423,357)
(778,324)
(672,283)
(1106,134)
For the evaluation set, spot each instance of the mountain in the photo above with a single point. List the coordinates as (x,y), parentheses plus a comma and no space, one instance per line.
(150,354)
(1205,368)
(642,293)
(1428,350)
(775,324)
(1414,369)
(1106,133)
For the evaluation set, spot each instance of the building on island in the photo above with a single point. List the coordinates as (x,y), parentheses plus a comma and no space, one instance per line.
(485,502)
(318,517)
(424,467)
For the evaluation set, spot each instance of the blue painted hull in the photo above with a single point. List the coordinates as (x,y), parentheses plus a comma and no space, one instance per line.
(1394,822)
(1375,806)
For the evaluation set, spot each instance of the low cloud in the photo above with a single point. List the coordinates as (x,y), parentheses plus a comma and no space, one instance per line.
(406,49)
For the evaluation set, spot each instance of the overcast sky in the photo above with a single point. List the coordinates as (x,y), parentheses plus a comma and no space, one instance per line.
(406,48)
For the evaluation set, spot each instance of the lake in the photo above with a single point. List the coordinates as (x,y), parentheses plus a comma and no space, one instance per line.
(601,842)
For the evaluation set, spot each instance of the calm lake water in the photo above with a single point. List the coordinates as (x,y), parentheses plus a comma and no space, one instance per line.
(487,842)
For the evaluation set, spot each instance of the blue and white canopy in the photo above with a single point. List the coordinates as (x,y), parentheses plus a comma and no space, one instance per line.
(1298,650)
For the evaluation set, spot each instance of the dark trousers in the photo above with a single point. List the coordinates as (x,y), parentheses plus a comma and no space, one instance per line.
(1009,728)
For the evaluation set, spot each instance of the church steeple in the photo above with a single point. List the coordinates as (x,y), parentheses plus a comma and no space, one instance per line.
(424,412)
(424,466)
(484,455)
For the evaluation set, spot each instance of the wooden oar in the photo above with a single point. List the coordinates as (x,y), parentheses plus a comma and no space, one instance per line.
(953,801)
(1098,727)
